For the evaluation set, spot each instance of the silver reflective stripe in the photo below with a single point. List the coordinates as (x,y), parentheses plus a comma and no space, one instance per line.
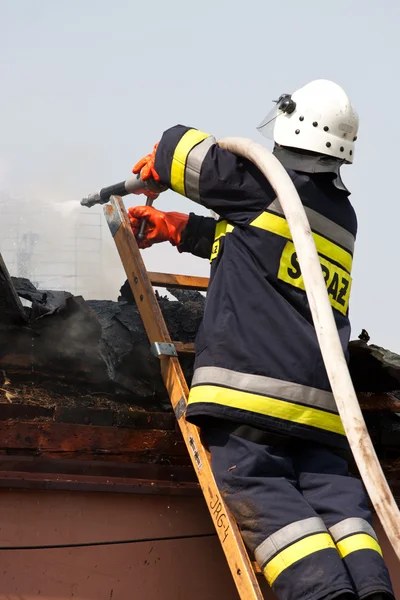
(322,225)
(193,168)
(265,386)
(351,526)
(286,536)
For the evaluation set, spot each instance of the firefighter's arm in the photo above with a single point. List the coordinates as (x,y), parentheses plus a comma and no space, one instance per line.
(190,233)
(198,236)
(191,163)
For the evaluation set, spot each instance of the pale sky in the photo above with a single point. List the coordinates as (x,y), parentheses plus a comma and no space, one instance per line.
(88,86)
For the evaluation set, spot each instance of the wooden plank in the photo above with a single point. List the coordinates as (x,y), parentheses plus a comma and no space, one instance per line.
(165,568)
(168,569)
(125,417)
(88,483)
(184,348)
(89,517)
(142,289)
(182,282)
(103,474)
(140,457)
(179,475)
(24,412)
(101,417)
(77,439)
(378,402)
(152,471)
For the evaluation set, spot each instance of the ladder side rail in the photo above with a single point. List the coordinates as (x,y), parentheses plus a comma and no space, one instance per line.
(174,379)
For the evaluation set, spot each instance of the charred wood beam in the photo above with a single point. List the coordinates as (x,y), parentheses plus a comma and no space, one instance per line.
(85,475)
(81,441)
(179,474)
(141,444)
(11,309)
(127,477)
(81,415)
(122,416)
(87,483)
(384,402)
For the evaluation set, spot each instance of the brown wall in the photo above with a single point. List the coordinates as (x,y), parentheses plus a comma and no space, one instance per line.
(180,569)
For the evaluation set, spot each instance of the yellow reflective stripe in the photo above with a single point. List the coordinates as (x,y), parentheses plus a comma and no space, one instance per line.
(279,226)
(295,552)
(271,407)
(221,229)
(360,541)
(264,386)
(187,142)
(215,250)
(284,537)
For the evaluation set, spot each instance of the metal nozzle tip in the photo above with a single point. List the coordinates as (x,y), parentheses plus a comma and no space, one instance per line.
(91,200)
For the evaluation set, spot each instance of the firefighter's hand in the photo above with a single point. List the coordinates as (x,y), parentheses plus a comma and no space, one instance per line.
(160,226)
(145,166)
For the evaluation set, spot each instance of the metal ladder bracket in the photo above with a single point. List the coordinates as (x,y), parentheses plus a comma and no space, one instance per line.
(160,349)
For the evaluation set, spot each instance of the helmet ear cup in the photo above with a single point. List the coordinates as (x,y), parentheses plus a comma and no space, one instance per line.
(286,104)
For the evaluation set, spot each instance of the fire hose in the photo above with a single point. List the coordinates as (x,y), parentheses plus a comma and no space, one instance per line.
(323,319)
(327,334)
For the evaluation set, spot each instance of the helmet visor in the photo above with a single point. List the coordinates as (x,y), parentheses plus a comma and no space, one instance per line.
(285,105)
(267,125)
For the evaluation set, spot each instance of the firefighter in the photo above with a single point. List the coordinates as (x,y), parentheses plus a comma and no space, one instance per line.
(260,391)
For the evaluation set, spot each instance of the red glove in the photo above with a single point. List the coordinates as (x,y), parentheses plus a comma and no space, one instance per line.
(160,226)
(145,166)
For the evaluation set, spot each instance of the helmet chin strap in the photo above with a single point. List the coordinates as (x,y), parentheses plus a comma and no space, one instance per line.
(311,162)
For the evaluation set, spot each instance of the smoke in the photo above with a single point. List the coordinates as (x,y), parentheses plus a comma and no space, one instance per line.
(67,209)
(59,245)
(3,172)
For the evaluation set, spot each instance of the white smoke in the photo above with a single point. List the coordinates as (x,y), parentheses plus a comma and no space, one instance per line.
(58,244)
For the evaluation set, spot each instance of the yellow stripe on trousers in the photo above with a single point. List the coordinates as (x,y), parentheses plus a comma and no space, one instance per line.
(187,142)
(279,226)
(271,407)
(295,552)
(359,541)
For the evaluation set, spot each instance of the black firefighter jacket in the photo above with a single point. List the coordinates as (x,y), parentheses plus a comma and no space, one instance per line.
(258,360)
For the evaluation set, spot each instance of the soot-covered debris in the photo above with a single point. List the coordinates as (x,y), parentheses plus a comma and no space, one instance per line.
(11,309)
(101,345)
(97,344)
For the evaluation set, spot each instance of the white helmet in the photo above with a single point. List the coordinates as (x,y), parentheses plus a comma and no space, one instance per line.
(318,117)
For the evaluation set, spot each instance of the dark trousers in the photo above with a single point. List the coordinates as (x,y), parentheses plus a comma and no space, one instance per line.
(301,515)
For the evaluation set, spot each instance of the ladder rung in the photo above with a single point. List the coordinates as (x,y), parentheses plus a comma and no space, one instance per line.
(184,348)
(182,282)
(256,568)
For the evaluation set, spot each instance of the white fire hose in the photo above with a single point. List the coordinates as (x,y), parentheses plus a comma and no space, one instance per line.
(327,334)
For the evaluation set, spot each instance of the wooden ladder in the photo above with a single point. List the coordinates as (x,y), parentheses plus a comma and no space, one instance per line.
(141,283)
